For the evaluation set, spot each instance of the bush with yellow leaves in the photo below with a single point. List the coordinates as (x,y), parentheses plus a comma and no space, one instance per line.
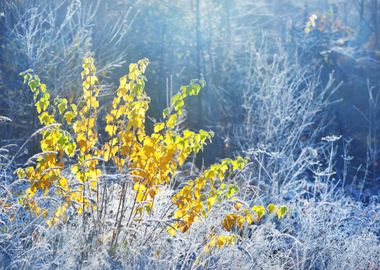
(75,164)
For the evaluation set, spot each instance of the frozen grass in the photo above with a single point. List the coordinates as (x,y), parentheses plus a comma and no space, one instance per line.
(53,36)
(291,164)
(324,229)
(327,233)
(284,107)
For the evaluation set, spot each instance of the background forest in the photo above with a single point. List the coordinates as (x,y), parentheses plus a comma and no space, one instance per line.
(290,89)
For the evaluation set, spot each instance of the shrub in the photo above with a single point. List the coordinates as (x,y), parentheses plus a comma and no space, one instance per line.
(114,183)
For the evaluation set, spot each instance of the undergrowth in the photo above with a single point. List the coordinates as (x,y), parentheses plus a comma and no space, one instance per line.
(118,191)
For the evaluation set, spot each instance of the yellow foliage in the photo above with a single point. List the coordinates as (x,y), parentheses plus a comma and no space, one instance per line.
(219,241)
(311,23)
(151,160)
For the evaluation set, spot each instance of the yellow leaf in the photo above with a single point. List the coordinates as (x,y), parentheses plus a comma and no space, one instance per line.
(211,202)
(123,81)
(119,163)
(171,230)
(109,119)
(69,116)
(109,151)
(140,196)
(260,210)
(43,87)
(92,80)
(138,187)
(111,129)
(188,134)
(38,106)
(63,182)
(240,221)
(172,121)
(133,72)
(20,173)
(249,218)
(229,221)
(70,149)
(93,184)
(30,192)
(30,171)
(88,61)
(74,108)
(117,113)
(158,127)
(92,102)
(238,205)
(75,169)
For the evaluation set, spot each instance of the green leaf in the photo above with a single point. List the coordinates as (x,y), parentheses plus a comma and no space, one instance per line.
(165,112)
(231,191)
(20,173)
(272,208)
(70,149)
(63,141)
(61,104)
(46,119)
(205,135)
(282,211)
(74,108)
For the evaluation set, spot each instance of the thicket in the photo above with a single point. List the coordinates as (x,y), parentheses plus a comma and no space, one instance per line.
(110,186)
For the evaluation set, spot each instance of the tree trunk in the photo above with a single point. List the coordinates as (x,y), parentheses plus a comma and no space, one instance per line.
(374,22)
